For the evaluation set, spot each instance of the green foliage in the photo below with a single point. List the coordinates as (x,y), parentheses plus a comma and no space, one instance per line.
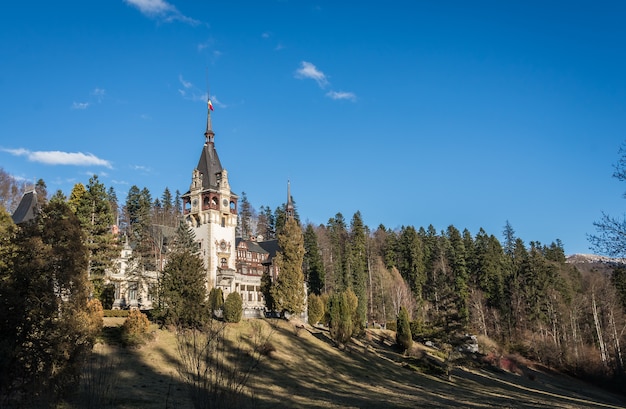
(403,331)
(341,312)
(135,329)
(233,307)
(45,327)
(288,290)
(313,265)
(93,209)
(267,291)
(216,299)
(315,309)
(183,291)
(358,268)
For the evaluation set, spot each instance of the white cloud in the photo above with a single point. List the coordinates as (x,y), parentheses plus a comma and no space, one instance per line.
(60,158)
(308,70)
(341,95)
(265,35)
(80,105)
(98,93)
(185,84)
(161,10)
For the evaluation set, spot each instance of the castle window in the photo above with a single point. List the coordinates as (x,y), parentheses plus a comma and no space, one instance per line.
(132,291)
(224,262)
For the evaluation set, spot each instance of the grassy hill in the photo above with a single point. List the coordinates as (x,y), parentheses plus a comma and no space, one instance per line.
(302,368)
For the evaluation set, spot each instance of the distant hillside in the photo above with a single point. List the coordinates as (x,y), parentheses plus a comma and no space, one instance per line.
(593,262)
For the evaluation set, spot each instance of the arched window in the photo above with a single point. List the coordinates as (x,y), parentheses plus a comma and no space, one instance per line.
(223,262)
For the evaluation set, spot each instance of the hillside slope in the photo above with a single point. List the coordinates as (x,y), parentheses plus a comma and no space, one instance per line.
(306,370)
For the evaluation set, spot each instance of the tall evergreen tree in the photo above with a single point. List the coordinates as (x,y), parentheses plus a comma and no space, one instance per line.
(45,333)
(266,224)
(244,221)
(184,290)
(456,256)
(288,291)
(93,209)
(404,339)
(313,266)
(338,234)
(358,267)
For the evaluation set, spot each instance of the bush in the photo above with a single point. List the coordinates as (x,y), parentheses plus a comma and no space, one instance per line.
(115,313)
(315,309)
(135,328)
(233,307)
(96,316)
(216,300)
(403,332)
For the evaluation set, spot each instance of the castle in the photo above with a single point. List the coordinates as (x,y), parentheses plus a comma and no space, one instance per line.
(232,263)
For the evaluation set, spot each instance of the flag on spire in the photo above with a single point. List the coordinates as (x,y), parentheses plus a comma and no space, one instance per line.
(210,105)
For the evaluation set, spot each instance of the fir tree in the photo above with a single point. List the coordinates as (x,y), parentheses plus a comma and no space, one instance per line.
(288,291)
(403,330)
(313,265)
(233,307)
(183,290)
(358,268)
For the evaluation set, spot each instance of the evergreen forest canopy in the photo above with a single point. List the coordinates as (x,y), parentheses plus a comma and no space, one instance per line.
(448,282)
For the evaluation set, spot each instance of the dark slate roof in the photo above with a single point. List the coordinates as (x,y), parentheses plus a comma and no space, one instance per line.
(209,165)
(271,246)
(27,209)
(252,245)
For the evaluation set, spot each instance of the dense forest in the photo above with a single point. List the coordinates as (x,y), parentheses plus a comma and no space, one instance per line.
(449,282)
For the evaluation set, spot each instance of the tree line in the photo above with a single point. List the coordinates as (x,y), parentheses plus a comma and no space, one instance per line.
(450,281)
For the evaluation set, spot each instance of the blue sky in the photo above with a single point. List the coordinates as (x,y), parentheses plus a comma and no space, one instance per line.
(411,112)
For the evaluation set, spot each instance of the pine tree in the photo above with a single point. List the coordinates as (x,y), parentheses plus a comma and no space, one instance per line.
(266,225)
(244,221)
(184,291)
(288,292)
(93,209)
(404,338)
(340,312)
(313,265)
(358,267)
(44,325)
(233,307)
(338,235)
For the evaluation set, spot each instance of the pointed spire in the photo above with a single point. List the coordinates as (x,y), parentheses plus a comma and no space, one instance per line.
(289,210)
(209,135)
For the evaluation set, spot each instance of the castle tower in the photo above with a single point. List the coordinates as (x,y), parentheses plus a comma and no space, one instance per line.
(210,208)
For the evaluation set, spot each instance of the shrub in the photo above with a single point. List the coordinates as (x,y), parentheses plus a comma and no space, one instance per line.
(115,313)
(403,332)
(233,307)
(315,309)
(96,316)
(216,300)
(135,328)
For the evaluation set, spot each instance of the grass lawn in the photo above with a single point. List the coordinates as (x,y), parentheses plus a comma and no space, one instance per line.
(302,368)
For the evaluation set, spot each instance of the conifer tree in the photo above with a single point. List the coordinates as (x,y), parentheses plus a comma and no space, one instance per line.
(266,225)
(93,209)
(340,317)
(313,265)
(404,338)
(233,307)
(338,235)
(358,268)
(183,290)
(44,325)
(288,291)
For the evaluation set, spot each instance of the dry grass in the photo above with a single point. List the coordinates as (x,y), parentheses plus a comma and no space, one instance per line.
(302,368)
